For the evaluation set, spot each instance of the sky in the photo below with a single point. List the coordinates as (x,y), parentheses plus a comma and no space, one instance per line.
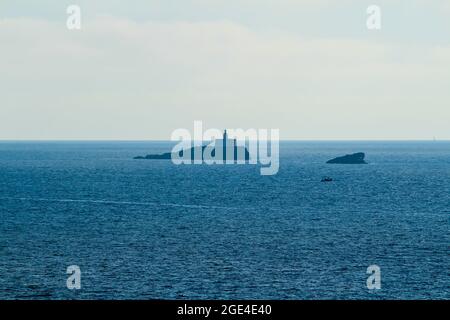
(139,70)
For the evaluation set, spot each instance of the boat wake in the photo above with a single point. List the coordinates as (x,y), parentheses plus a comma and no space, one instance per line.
(190,206)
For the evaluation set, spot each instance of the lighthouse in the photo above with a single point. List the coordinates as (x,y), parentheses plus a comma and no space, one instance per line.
(224,144)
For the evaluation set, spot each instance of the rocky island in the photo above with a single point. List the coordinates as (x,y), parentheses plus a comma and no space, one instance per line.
(229,147)
(355,158)
(163,156)
(235,151)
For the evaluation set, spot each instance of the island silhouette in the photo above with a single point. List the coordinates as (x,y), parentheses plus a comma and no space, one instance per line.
(229,147)
(355,158)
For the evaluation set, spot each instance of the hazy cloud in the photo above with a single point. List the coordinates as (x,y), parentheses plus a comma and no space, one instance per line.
(127,79)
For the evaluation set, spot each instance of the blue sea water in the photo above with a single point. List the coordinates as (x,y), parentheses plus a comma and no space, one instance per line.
(147,229)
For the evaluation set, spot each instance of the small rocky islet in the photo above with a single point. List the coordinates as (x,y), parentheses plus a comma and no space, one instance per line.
(355,158)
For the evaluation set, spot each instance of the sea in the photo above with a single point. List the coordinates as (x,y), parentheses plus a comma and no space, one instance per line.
(149,229)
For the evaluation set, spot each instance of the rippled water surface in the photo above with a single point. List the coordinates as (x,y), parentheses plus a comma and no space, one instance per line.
(144,229)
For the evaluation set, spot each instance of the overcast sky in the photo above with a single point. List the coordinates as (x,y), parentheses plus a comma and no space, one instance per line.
(141,69)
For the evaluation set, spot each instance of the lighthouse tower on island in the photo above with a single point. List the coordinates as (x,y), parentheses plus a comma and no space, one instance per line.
(230,149)
(227,150)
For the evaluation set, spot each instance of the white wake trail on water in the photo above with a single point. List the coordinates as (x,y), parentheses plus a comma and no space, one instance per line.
(190,206)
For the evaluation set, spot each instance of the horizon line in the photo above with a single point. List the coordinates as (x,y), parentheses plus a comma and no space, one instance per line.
(165,140)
